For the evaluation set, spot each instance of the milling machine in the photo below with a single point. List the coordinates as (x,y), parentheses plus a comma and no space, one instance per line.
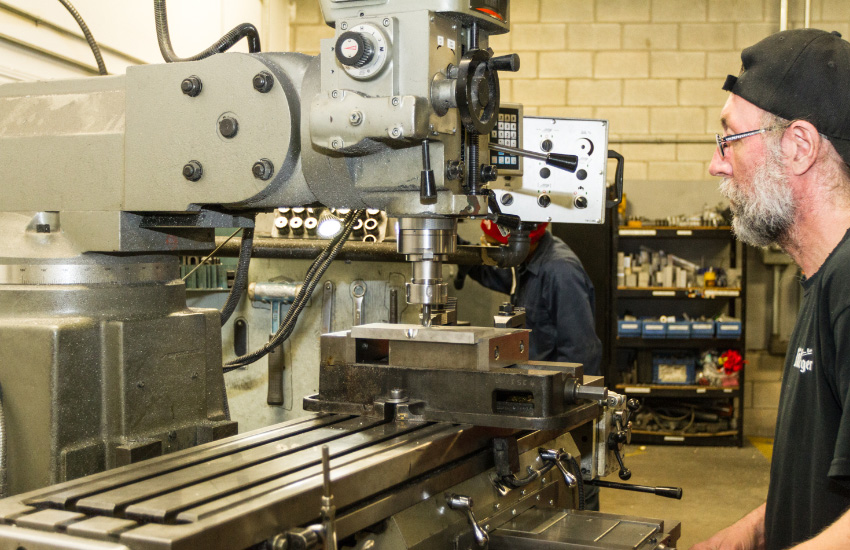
(425,437)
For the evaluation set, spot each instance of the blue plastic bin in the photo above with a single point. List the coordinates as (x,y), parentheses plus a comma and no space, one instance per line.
(702,329)
(679,329)
(673,370)
(653,329)
(729,329)
(628,329)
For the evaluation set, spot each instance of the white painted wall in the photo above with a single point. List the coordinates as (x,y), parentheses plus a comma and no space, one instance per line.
(126,32)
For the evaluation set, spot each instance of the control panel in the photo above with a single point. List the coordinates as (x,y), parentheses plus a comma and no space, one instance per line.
(545,193)
(508,131)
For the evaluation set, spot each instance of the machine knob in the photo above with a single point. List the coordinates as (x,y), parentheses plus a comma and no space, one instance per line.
(354,49)
(580,201)
(463,503)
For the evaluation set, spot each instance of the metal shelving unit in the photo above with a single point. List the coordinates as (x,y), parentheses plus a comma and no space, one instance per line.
(639,352)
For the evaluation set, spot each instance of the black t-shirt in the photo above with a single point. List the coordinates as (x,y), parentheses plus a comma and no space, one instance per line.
(810,470)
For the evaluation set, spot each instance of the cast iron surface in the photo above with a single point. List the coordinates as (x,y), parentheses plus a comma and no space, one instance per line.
(245,489)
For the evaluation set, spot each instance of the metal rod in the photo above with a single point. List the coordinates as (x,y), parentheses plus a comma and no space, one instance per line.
(211,254)
(521,152)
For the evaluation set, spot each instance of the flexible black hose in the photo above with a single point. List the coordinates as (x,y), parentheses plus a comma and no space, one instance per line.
(237,33)
(95,49)
(240,281)
(311,279)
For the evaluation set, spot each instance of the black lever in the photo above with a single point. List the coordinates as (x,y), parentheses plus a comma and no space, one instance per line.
(427,182)
(555,160)
(668,492)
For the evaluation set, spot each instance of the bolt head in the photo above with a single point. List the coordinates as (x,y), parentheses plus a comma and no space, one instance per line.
(343,25)
(263,169)
(386,22)
(191,86)
(507,199)
(355,118)
(228,127)
(193,170)
(396,102)
(263,82)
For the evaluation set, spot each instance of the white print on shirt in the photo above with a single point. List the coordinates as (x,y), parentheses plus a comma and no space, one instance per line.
(800,361)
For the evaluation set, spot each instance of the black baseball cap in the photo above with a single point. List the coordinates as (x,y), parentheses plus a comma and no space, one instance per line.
(801,74)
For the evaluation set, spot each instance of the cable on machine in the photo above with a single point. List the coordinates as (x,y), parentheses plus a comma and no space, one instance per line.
(237,33)
(95,49)
(311,279)
(240,281)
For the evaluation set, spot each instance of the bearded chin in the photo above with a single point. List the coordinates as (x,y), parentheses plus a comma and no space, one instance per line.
(764,213)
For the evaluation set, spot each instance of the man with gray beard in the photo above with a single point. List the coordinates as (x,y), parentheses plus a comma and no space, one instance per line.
(784,160)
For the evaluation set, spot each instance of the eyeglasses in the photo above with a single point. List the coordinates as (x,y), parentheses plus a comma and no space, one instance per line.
(723,141)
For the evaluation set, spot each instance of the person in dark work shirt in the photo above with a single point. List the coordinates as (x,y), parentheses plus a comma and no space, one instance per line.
(557,295)
(559,303)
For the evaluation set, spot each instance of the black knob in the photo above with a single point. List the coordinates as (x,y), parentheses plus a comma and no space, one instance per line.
(580,201)
(427,186)
(191,86)
(545,172)
(633,404)
(193,170)
(228,127)
(354,49)
(263,82)
(581,174)
(504,63)
(544,200)
(546,145)
(562,161)
(263,169)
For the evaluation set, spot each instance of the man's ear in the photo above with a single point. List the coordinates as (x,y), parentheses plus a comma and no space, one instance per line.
(801,145)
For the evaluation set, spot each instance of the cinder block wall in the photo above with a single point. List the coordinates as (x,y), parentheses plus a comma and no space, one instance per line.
(654,69)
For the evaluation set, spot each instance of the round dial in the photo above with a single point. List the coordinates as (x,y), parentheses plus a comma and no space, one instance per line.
(354,49)
(362,51)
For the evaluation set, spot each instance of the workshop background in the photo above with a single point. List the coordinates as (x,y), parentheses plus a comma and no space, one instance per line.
(653,68)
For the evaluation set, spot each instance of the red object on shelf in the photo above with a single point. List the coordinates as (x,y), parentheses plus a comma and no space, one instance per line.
(731,361)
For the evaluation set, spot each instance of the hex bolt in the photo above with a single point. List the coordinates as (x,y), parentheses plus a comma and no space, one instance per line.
(263,82)
(193,170)
(191,86)
(228,127)
(355,118)
(263,169)
(336,144)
